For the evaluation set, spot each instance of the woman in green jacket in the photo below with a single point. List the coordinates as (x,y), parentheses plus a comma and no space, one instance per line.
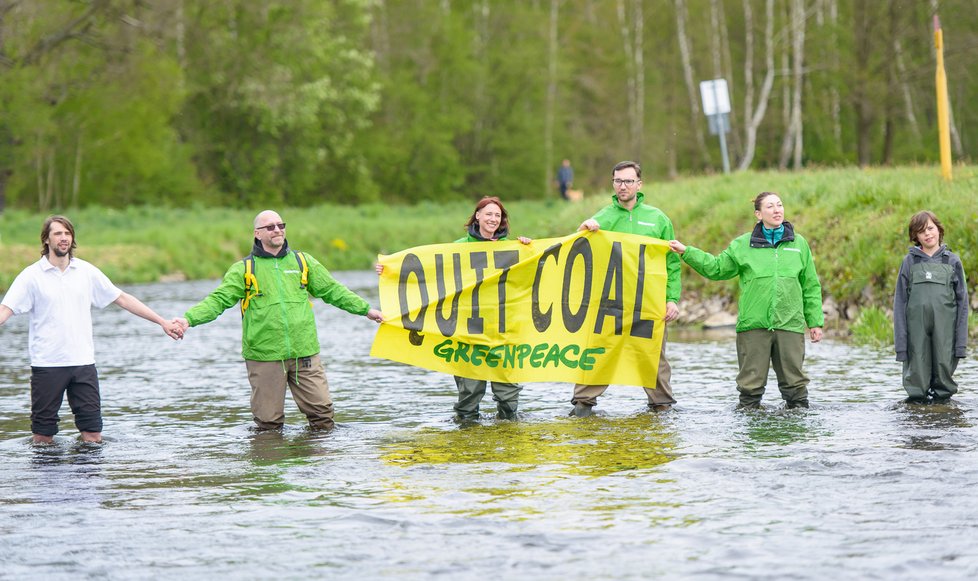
(780,297)
(489,222)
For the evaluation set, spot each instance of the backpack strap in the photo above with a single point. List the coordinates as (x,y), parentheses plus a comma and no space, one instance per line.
(304,267)
(250,282)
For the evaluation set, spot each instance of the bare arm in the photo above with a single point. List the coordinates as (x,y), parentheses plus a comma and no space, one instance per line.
(136,307)
(5,313)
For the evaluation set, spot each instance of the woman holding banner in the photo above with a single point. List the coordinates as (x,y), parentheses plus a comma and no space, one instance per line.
(780,296)
(489,222)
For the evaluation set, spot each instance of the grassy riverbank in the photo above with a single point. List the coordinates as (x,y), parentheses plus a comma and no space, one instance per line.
(855,220)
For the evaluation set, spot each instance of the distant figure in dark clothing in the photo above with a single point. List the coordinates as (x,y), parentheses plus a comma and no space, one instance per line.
(565,178)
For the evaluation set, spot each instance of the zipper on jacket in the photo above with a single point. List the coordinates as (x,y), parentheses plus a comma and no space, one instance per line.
(283,308)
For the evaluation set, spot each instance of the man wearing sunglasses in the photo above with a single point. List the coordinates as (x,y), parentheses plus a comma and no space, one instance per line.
(279,341)
(629,214)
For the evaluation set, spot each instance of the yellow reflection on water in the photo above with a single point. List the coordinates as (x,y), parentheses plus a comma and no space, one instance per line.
(582,447)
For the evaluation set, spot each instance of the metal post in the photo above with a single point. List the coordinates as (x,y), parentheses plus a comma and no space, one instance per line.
(723,133)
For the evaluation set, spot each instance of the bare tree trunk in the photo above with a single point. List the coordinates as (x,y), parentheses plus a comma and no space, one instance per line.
(76,174)
(694,108)
(727,62)
(792,145)
(861,99)
(835,102)
(955,137)
(756,116)
(798,51)
(905,89)
(892,90)
(548,130)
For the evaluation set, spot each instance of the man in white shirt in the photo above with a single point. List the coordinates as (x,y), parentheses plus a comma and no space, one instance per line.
(59,291)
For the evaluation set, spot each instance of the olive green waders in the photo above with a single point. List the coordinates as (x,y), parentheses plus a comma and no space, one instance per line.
(931,315)
(471,392)
(757,350)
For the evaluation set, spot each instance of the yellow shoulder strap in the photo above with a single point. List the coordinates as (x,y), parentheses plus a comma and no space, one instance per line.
(250,282)
(305,269)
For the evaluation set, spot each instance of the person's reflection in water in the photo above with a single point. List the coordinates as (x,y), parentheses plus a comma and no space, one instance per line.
(67,470)
(269,447)
(778,426)
(929,425)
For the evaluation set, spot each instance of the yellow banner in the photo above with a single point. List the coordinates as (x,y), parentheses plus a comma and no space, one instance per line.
(586,308)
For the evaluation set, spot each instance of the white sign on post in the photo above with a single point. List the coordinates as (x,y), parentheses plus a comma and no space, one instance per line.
(716,99)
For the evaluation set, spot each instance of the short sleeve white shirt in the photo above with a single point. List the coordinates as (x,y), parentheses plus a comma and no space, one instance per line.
(60,305)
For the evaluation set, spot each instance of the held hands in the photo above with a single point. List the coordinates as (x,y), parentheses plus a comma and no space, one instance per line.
(379,268)
(816,334)
(375,315)
(522,239)
(677,246)
(173,329)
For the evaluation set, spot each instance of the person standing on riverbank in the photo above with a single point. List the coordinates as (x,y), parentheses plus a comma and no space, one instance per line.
(565,178)
(930,312)
(59,291)
(780,295)
(279,341)
(629,214)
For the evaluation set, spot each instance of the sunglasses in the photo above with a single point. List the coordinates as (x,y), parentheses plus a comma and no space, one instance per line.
(272,227)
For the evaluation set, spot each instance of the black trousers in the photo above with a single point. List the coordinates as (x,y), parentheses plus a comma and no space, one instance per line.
(48,387)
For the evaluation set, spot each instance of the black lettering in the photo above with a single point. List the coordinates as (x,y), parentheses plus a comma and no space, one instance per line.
(412,265)
(479,261)
(541,320)
(641,327)
(504,259)
(574,320)
(609,307)
(447,325)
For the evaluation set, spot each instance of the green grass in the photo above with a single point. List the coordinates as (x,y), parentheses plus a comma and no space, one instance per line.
(854,219)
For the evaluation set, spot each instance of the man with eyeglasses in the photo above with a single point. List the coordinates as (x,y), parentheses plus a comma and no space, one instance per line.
(629,214)
(279,342)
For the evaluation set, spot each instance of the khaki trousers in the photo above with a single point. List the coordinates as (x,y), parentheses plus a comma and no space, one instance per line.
(306,378)
(661,395)
(757,350)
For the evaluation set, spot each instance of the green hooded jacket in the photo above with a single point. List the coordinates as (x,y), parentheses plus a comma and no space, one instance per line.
(279,323)
(779,288)
(645,221)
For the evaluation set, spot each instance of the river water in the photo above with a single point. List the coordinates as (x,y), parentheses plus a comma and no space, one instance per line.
(860,486)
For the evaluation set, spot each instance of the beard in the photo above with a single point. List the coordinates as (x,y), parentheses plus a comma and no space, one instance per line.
(61,253)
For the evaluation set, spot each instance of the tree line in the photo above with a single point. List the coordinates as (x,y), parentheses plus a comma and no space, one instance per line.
(299,102)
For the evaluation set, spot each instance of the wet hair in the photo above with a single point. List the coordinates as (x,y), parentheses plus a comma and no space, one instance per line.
(628,164)
(46,232)
(919,223)
(485,201)
(760,199)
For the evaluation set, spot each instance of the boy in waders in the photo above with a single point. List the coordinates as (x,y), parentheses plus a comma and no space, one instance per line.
(930,312)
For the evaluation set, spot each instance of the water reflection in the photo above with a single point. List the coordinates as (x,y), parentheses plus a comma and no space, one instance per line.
(932,426)
(764,426)
(277,448)
(593,446)
(183,485)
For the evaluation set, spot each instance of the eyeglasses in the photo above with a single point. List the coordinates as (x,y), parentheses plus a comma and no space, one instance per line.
(272,227)
(628,183)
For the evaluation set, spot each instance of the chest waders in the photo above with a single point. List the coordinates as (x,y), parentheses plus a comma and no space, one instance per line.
(931,315)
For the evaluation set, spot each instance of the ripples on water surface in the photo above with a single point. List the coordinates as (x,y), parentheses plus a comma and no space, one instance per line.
(860,486)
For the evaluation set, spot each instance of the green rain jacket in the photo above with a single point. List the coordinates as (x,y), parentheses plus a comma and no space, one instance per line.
(475,236)
(779,288)
(645,221)
(279,323)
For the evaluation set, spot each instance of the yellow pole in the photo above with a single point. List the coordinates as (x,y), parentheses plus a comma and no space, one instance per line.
(943,124)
